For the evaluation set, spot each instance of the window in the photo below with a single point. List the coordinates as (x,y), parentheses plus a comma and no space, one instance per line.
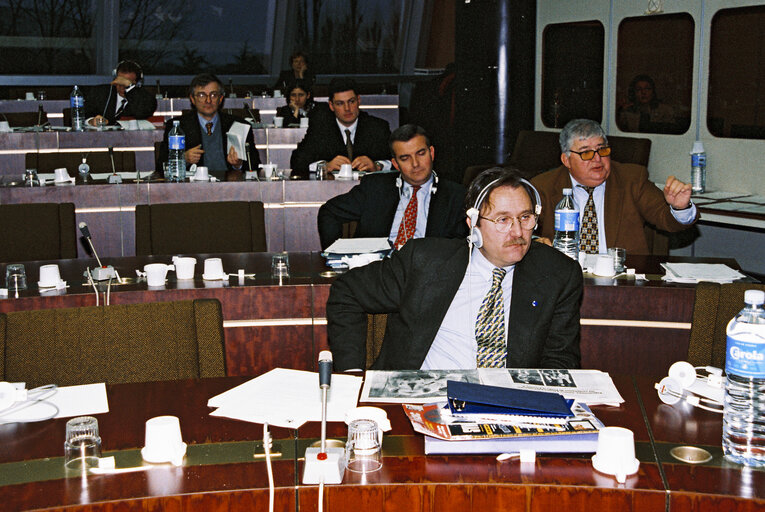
(654,73)
(736,97)
(572,72)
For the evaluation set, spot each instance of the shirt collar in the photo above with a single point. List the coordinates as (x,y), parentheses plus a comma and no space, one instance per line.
(352,128)
(406,189)
(203,122)
(575,183)
(484,267)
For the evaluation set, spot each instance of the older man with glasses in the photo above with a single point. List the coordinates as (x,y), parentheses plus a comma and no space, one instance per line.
(205,128)
(614,200)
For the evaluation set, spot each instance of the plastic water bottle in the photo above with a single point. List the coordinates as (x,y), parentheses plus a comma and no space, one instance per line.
(743,437)
(567,226)
(176,163)
(77,103)
(698,167)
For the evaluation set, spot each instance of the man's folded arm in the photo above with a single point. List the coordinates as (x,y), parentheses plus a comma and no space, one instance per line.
(337,211)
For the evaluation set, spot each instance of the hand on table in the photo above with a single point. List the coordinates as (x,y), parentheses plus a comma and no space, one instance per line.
(335,163)
(364,163)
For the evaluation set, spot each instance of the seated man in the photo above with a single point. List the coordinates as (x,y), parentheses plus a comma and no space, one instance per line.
(123,97)
(205,129)
(382,204)
(614,200)
(349,137)
(499,300)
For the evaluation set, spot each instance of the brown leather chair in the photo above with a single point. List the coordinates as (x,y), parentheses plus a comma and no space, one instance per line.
(113,344)
(99,161)
(21,119)
(375,335)
(41,231)
(194,228)
(713,308)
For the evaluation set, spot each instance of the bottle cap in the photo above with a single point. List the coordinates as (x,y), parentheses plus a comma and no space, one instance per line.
(698,147)
(754,297)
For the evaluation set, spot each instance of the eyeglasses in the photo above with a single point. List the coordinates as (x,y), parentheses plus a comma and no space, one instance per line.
(504,223)
(202,96)
(589,154)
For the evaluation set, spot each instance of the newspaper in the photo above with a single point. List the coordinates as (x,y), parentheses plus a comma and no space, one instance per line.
(591,387)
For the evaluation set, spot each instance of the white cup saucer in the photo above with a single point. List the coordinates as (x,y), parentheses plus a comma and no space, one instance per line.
(48,286)
(174,456)
(220,277)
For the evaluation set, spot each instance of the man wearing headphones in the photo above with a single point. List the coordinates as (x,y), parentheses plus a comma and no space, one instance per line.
(123,97)
(412,203)
(497,301)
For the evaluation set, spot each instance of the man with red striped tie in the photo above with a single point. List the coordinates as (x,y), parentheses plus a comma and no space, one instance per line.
(410,203)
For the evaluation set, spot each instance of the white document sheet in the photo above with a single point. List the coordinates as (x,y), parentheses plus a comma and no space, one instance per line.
(287,398)
(236,137)
(358,245)
(71,401)
(696,272)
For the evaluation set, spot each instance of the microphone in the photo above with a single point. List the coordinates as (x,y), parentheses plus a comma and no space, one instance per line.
(325,369)
(251,172)
(114,177)
(102,273)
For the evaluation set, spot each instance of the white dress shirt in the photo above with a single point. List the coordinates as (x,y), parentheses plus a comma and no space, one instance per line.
(454,346)
(423,204)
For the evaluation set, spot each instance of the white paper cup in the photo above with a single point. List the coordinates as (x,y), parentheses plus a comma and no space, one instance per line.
(616,453)
(184,267)
(202,174)
(278,121)
(304,122)
(29,96)
(49,276)
(163,441)
(156,273)
(346,171)
(61,175)
(268,170)
(213,269)
(604,266)
(277,93)
(5,127)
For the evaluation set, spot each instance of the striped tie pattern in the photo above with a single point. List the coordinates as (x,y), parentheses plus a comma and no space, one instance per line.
(349,145)
(121,108)
(588,236)
(409,222)
(490,326)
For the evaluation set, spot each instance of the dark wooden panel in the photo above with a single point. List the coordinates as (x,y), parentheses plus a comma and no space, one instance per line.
(256,350)
(636,350)
(650,301)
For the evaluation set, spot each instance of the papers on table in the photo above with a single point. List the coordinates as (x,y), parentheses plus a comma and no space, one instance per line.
(590,387)
(136,124)
(236,137)
(356,252)
(287,398)
(70,400)
(696,272)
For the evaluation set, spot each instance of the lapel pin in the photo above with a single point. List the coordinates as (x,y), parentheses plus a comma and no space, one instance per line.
(534,303)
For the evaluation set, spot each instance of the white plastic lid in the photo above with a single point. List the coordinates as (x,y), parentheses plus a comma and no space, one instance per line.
(698,147)
(566,191)
(754,297)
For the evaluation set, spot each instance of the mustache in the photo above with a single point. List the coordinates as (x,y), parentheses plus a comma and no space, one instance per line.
(515,241)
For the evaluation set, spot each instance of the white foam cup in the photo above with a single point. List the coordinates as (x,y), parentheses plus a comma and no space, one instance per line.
(616,453)
(49,275)
(304,122)
(156,273)
(278,121)
(29,96)
(163,441)
(346,171)
(61,175)
(268,170)
(184,267)
(202,173)
(213,268)
(5,127)
(604,265)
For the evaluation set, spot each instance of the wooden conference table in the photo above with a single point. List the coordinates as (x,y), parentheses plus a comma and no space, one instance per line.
(628,326)
(222,470)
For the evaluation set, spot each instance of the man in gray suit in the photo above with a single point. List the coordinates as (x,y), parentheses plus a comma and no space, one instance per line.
(497,301)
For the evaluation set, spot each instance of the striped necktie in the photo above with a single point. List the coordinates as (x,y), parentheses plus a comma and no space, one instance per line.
(121,108)
(349,144)
(409,222)
(588,236)
(490,326)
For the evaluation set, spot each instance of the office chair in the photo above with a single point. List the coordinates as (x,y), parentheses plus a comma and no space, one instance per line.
(41,231)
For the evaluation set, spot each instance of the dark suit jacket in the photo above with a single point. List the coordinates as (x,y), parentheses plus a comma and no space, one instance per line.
(415,287)
(372,203)
(631,201)
(141,103)
(190,126)
(287,78)
(324,141)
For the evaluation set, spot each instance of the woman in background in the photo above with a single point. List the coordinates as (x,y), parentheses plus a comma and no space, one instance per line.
(299,70)
(645,112)
(299,104)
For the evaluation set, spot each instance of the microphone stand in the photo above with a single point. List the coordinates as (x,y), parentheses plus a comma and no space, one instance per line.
(114,177)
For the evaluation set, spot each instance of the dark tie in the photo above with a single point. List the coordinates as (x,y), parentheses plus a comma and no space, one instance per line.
(121,109)
(490,326)
(588,237)
(348,144)
(209,128)
(409,222)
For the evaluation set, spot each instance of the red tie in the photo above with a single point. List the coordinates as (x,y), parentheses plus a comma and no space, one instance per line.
(408,223)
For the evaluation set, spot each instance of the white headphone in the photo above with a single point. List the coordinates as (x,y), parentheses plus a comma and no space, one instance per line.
(9,395)
(433,188)
(704,390)
(475,239)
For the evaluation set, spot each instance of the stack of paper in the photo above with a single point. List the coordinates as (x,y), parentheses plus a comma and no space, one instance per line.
(236,138)
(287,398)
(354,252)
(696,272)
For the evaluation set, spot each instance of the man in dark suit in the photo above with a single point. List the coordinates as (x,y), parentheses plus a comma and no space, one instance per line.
(449,302)
(621,197)
(123,97)
(205,129)
(380,203)
(350,137)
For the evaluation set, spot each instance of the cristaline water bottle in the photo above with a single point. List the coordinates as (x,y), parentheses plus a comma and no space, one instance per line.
(567,226)
(176,163)
(77,104)
(743,437)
